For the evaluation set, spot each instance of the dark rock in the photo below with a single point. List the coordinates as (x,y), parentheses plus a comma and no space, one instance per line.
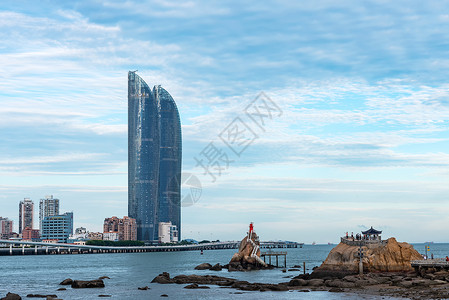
(297,282)
(164,295)
(82,284)
(420,282)
(216,267)
(336,290)
(12,296)
(196,286)
(303,276)
(405,284)
(277,287)
(304,291)
(294,270)
(382,280)
(238,284)
(143,288)
(297,266)
(315,282)
(437,282)
(205,266)
(330,273)
(104,277)
(41,296)
(163,278)
(104,295)
(224,283)
(61,289)
(67,281)
(338,283)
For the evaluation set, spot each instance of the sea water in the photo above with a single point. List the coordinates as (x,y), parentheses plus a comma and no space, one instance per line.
(41,274)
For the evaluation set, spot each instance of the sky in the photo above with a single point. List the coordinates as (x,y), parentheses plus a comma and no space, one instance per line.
(323,117)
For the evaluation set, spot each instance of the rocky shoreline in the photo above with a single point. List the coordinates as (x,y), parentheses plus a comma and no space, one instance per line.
(411,285)
(406,285)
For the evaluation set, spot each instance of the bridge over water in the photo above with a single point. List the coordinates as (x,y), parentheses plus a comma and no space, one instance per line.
(28,248)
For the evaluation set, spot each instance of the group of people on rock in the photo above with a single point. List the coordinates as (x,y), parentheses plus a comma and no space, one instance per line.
(360,237)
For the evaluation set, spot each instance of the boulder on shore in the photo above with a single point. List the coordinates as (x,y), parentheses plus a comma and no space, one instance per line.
(11,296)
(383,257)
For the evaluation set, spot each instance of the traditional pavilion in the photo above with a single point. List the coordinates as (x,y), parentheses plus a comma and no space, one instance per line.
(371,234)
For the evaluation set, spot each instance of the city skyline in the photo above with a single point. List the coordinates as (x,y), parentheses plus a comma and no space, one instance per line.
(362,141)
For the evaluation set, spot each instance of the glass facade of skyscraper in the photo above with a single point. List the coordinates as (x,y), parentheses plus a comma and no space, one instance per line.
(154,158)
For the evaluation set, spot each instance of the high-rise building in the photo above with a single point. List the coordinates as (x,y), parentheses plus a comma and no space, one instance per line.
(58,227)
(154,158)
(120,229)
(47,207)
(5,228)
(26,209)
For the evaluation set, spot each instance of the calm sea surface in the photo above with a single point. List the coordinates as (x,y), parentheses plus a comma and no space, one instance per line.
(41,274)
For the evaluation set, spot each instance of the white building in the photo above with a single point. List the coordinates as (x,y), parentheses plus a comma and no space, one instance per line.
(80,234)
(168,233)
(110,236)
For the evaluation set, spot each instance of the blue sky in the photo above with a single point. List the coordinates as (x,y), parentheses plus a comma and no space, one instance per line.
(362,139)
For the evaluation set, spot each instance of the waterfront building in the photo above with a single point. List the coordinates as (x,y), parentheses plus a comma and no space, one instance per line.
(94,236)
(48,206)
(168,233)
(111,236)
(154,158)
(26,210)
(29,234)
(58,227)
(6,228)
(125,228)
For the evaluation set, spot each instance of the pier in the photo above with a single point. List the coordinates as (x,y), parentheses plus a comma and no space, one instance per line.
(280,244)
(437,264)
(270,254)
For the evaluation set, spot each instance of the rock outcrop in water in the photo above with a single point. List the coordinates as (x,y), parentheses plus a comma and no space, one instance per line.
(82,284)
(11,296)
(383,257)
(248,257)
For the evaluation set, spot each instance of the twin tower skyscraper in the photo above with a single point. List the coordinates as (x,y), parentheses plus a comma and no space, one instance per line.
(154,158)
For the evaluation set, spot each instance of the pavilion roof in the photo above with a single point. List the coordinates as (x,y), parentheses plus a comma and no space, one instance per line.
(372,231)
